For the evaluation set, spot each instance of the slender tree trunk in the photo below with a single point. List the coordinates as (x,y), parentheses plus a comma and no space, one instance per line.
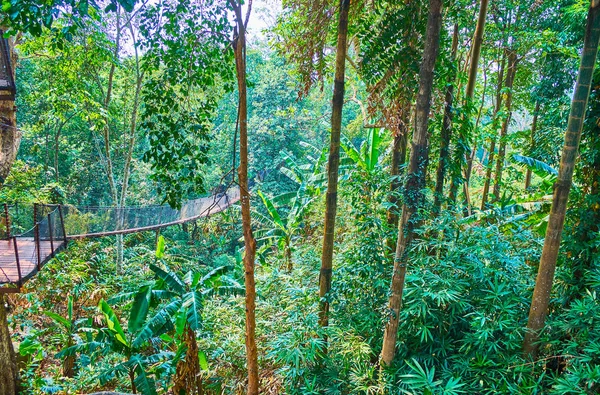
(132,380)
(8,368)
(545,277)
(492,148)
(415,180)
(56,148)
(398,160)
(446,129)
(333,164)
(510,78)
(463,143)
(532,142)
(476,51)
(110,174)
(249,241)
(479,112)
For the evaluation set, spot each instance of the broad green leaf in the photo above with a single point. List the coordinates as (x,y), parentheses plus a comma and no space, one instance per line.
(59,319)
(160,247)
(373,143)
(271,210)
(291,174)
(70,308)
(193,302)
(202,360)
(139,309)
(213,274)
(145,385)
(181,320)
(169,278)
(352,153)
(112,322)
(157,325)
(537,166)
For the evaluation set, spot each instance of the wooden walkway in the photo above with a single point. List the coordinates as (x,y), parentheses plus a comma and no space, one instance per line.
(19,256)
(27,253)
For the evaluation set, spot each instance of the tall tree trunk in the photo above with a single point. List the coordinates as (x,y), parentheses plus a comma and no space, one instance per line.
(462,146)
(536,113)
(492,148)
(10,136)
(415,181)
(510,79)
(249,241)
(333,164)
(479,112)
(398,160)
(446,129)
(10,139)
(8,368)
(545,276)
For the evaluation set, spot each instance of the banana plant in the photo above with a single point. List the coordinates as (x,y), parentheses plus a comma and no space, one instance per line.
(134,343)
(547,173)
(368,155)
(189,291)
(281,231)
(67,329)
(311,177)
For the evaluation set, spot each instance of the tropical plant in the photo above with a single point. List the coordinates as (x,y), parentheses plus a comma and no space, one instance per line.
(136,346)
(282,231)
(186,295)
(68,330)
(367,158)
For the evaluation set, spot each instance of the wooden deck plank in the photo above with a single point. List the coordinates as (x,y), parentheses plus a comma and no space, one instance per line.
(9,273)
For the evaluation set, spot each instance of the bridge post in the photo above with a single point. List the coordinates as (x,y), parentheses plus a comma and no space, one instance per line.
(36,235)
(7,218)
(20,282)
(50,234)
(62,223)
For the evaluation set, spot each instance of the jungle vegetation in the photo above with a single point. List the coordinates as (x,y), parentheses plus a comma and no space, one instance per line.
(420,196)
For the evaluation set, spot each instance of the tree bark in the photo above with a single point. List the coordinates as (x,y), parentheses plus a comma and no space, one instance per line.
(333,165)
(545,276)
(10,139)
(469,170)
(8,368)
(462,146)
(249,241)
(10,136)
(187,378)
(446,134)
(536,113)
(415,182)
(492,148)
(398,160)
(510,79)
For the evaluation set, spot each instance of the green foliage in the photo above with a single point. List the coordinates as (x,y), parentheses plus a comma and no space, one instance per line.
(469,280)
(368,157)
(185,77)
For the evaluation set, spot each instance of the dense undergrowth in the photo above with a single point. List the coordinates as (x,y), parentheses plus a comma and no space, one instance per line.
(461,330)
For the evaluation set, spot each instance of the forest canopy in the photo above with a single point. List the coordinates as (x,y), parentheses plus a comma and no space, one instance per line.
(299,197)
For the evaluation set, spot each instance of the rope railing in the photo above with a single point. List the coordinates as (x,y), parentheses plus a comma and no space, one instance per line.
(24,252)
(84,222)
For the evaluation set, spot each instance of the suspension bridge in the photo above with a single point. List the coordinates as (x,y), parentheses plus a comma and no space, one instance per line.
(49,227)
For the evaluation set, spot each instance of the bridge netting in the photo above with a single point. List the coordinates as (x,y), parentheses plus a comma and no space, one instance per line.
(58,221)
(30,234)
(97,221)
